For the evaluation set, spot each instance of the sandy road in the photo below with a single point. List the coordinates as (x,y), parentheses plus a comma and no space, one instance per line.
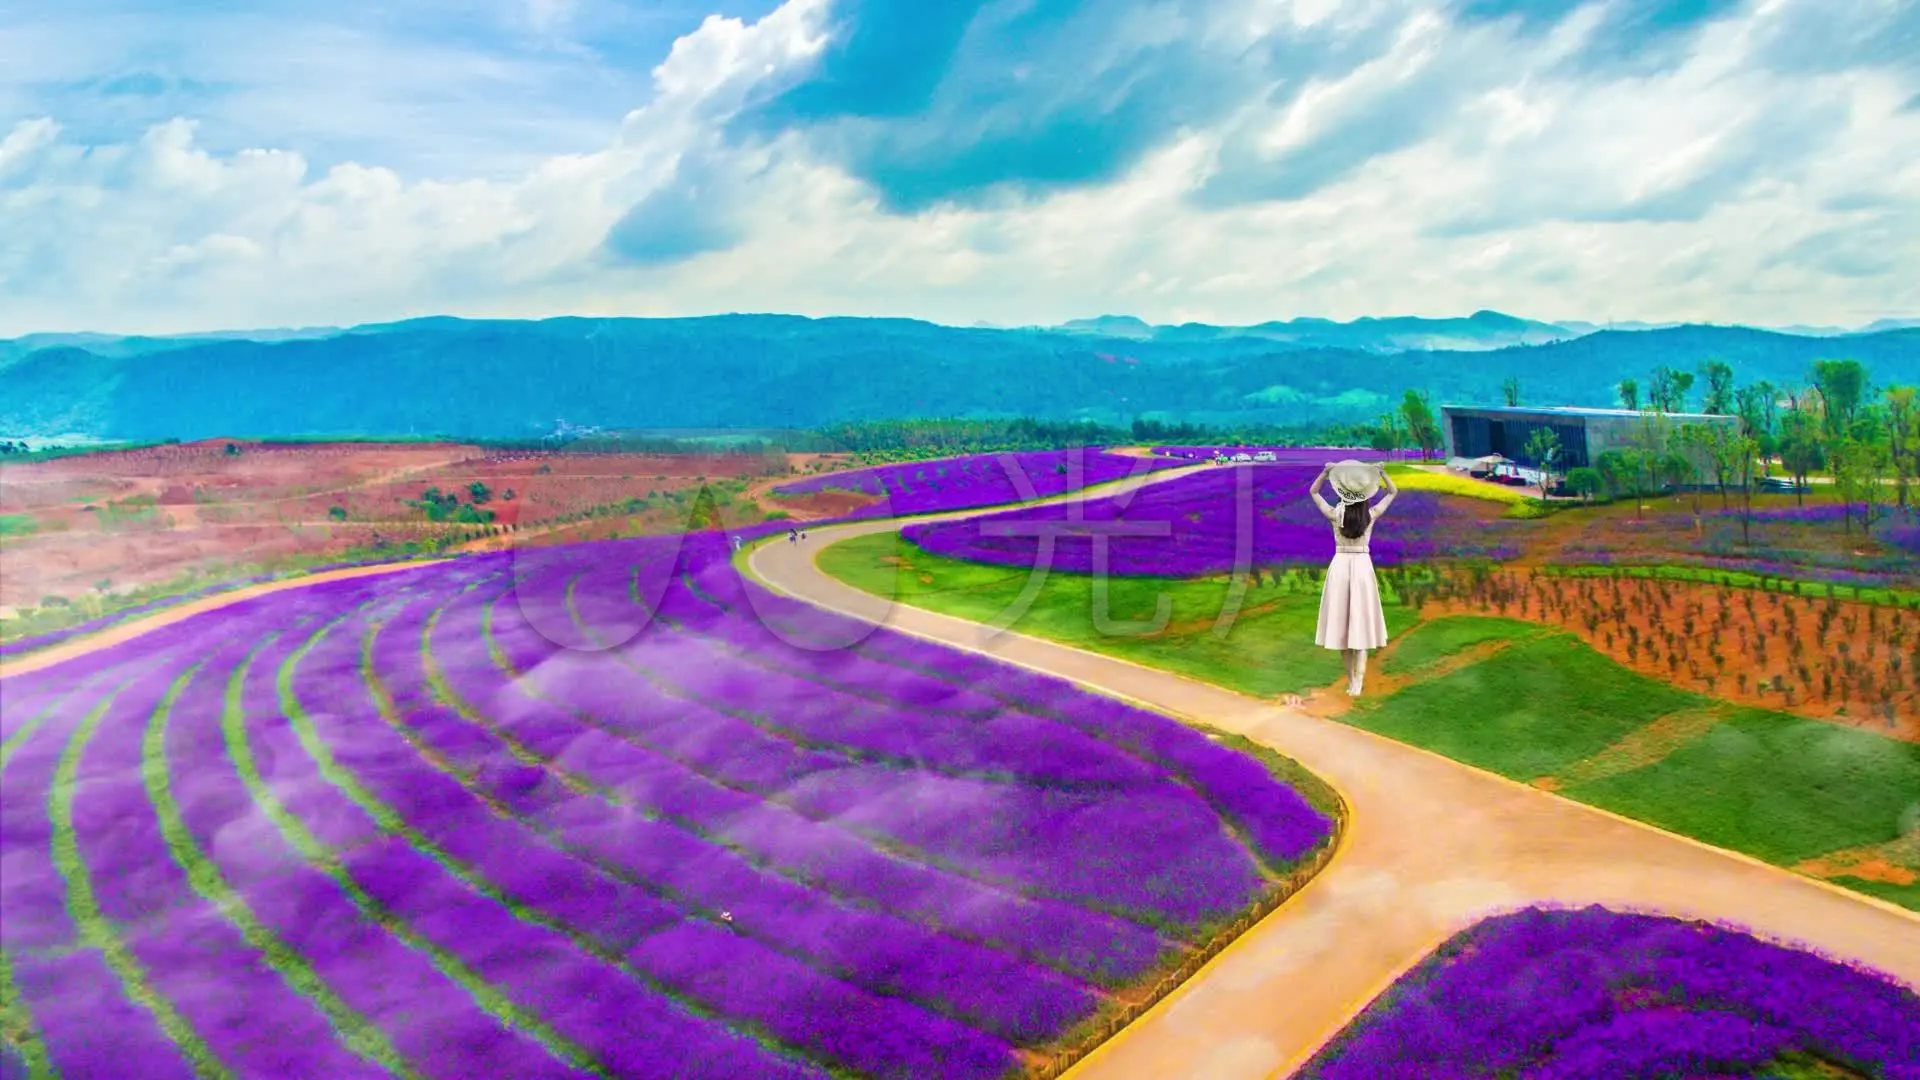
(1433,846)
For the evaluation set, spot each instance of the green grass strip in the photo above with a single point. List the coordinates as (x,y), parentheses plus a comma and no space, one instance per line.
(355,1031)
(17,1029)
(393,824)
(96,931)
(15,741)
(311,848)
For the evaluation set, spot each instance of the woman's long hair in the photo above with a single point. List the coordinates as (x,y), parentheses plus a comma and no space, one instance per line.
(1353,522)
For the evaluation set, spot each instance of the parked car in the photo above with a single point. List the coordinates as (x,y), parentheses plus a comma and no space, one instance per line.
(1779,483)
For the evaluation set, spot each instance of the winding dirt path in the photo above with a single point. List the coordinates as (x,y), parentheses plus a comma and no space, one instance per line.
(1433,846)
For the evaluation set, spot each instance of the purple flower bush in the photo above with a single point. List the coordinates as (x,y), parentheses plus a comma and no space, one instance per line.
(602,809)
(1550,994)
(1283,455)
(963,483)
(1207,523)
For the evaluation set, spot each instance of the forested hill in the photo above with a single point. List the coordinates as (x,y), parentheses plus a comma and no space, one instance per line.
(505,379)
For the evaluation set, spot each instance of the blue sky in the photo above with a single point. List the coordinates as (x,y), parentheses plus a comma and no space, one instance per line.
(169,167)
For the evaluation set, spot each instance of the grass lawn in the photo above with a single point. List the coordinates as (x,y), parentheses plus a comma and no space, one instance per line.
(17,525)
(1778,787)
(1542,704)
(1907,896)
(1775,786)
(1431,642)
(1267,650)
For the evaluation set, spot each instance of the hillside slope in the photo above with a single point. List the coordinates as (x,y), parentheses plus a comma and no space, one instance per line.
(477,379)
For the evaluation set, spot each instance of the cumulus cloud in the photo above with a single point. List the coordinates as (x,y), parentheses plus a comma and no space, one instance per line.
(1029,161)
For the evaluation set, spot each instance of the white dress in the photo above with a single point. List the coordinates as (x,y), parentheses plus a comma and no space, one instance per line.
(1351,615)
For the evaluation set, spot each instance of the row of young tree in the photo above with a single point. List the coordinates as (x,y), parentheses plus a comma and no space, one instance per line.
(933,438)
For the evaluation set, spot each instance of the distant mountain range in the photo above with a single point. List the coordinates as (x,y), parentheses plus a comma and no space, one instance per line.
(517,379)
(1481,330)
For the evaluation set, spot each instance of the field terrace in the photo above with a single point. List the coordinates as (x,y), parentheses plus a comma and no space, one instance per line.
(602,809)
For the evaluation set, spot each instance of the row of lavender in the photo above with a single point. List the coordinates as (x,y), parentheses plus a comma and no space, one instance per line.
(1553,994)
(1208,523)
(593,810)
(1284,455)
(964,483)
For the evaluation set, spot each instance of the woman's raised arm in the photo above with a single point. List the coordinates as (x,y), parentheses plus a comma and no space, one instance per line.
(1326,508)
(1386,481)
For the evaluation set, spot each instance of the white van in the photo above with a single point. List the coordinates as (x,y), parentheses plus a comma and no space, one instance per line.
(1266,455)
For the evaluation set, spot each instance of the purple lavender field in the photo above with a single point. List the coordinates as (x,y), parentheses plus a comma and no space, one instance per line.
(963,483)
(1212,521)
(1549,994)
(595,810)
(1284,455)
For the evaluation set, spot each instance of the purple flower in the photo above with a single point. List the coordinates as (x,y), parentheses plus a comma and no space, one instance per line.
(1552,994)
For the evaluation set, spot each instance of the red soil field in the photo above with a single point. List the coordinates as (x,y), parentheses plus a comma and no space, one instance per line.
(1832,660)
(145,517)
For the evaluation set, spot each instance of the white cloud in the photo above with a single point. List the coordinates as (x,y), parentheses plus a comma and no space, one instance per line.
(1721,189)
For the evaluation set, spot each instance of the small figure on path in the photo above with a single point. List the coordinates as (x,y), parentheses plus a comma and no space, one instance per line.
(793,536)
(1351,617)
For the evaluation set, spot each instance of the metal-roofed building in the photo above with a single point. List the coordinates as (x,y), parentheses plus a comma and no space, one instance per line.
(1477,431)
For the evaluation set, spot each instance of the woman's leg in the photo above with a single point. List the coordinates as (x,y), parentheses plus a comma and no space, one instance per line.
(1348,656)
(1359,668)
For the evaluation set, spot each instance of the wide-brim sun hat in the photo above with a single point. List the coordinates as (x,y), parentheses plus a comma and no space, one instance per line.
(1354,481)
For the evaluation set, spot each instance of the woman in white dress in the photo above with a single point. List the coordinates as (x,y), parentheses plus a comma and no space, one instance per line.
(1351,617)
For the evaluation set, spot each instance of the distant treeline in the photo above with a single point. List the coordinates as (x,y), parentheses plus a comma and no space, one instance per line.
(927,437)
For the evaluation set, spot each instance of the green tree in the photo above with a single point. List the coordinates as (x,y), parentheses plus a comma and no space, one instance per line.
(1629,394)
(1386,433)
(1619,470)
(1754,406)
(337,513)
(478,493)
(1543,447)
(1859,475)
(1720,393)
(1586,481)
(1668,390)
(1802,450)
(1743,450)
(1725,446)
(1842,386)
(1510,388)
(1417,411)
(1903,438)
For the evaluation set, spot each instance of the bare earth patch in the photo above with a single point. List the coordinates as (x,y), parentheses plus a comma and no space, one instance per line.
(1896,862)
(1644,746)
